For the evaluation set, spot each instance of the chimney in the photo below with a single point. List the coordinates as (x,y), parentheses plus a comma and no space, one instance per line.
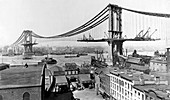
(141,79)
(157,80)
(168,59)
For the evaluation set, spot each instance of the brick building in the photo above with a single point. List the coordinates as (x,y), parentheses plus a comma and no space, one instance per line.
(124,85)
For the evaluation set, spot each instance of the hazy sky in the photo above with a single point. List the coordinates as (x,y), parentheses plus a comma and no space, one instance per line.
(51,17)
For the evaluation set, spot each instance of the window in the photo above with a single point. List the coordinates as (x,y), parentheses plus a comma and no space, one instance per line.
(138,93)
(125,84)
(122,90)
(69,72)
(135,93)
(73,72)
(1,98)
(131,87)
(122,83)
(65,72)
(26,96)
(76,72)
(142,97)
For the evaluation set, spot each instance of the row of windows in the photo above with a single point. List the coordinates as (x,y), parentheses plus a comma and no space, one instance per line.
(71,72)
(121,83)
(157,64)
(128,95)
(123,92)
(118,96)
(124,88)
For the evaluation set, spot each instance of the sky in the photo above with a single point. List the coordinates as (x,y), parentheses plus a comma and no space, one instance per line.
(52,17)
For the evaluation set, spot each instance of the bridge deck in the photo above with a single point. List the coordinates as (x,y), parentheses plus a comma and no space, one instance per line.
(106,40)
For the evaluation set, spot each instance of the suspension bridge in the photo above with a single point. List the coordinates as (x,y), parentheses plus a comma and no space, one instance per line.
(115,22)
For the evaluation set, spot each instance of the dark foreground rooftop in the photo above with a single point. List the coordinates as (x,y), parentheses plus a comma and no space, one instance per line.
(20,76)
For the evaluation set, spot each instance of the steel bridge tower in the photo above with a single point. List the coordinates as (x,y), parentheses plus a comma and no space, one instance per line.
(115,31)
(28,44)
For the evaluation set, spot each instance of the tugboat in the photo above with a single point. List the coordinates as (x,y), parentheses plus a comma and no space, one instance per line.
(49,60)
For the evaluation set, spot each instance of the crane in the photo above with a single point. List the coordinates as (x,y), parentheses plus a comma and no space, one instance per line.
(149,36)
(153,33)
(146,32)
(139,33)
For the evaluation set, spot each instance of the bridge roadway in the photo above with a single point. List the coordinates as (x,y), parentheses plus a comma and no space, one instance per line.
(114,39)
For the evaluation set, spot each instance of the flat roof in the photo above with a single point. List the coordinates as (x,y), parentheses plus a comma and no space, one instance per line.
(84,77)
(131,75)
(60,79)
(160,90)
(159,61)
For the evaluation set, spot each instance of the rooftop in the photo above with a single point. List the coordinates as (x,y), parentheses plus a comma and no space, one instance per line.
(161,91)
(161,60)
(19,76)
(139,78)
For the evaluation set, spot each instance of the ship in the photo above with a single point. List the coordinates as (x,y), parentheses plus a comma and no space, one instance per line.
(4,66)
(82,54)
(27,55)
(72,56)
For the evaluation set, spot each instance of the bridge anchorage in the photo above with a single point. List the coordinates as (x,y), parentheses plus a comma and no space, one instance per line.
(28,44)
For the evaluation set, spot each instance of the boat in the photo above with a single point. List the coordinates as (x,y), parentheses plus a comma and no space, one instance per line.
(27,58)
(72,56)
(82,54)
(27,55)
(49,60)
(39,54)
(4,66)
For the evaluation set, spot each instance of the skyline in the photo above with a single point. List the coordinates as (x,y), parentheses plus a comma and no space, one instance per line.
(54,17)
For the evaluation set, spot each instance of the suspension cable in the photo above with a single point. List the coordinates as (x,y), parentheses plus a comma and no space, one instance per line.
(90,27)
(149,13)
(21,36)
(79,28)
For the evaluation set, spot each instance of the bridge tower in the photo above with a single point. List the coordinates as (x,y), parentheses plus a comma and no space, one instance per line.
(115,31)
(28,44)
